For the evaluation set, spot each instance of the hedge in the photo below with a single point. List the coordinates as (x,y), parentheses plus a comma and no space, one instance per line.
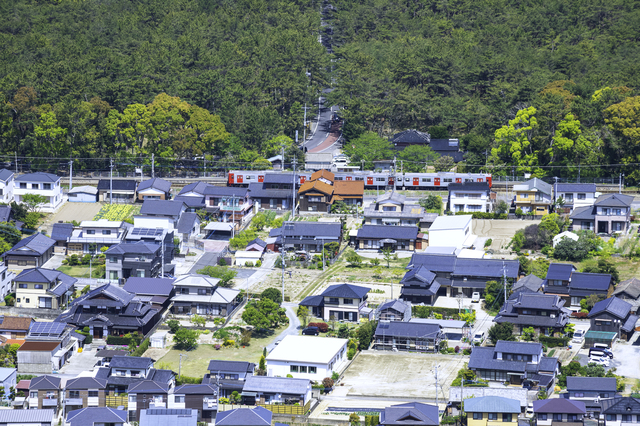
(483,215)
(579,314)
(118,340)
(184,380)
(427,311)
(142,348)
(553,341)
(323,327)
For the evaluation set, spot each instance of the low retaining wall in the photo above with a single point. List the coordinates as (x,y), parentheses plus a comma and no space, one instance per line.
(30,312)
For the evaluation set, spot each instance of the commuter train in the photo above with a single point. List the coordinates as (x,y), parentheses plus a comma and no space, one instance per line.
(372,180)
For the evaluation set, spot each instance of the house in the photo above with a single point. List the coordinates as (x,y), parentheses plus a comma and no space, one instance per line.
(6,186)
(307,357)
(566,234)
(591,390)
(159,236)
(557,279)
(575,195)
(276,390)
(469,197)
(157,291)
(33,417)
(256,245)
(60,233)
(492,410)
(350,192)
(380,237)
(96,416)
(514,362)
(229,376)
(6,280)
(432,275)
(409,137)
(33,251)
(92,235)
(615,316)
(125,371)
(8,379)
(545,313)
(533,196)
(340,301)
(200,294)
(110,310)
(559,411)
(202,399)
(407,336)
(458,393)
(138,259)
(45,184)
(315,196)
(247,258)
(451,329)
(410,413)
(392,209)
(563,280)
(83,392)
(323,189)
(452,231)
(188,227)
(394,310)
(168,417)
(275,192)
(318,161)
(154,189)
(83,194)
(48,346)
(193,203)
(104,356)
(146,394)
(45,392)
(609,213)
(528,284)
(629,291)
(117,190)
(228,204)
(256,416)
(43,288)
(621,410)
(14,327)
(307,236)
(160,214)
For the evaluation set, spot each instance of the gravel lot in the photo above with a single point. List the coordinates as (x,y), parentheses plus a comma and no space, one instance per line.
(401,375)
(500,231)
(73,211)
(626,358)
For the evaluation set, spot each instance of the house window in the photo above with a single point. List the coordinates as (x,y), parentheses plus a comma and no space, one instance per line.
(140,274)
(617,212)
(113,259)
(303,368)
(626,418)
(493,416)
(74,394)
(582,196)
(542,416)
(334,300)
(477,416)
(135,373)
(184,290)
(557,417)
(575,301)
(93,394)
(23,286)
(568,197)
(179,399)
(578,395)
(46,186)
(573,417)
(312,370)
(506,417)
(45,302)
(35,186)
(27,300)
(525,195)
(18,299)
(91,231)
(202,291)
(38,286)
(121,372)
(604,395)
(23,185)
(132,398)
(33,394)
(106,232)
(293,368)
(611,417)
(314,199)
(347,301)
(113,275)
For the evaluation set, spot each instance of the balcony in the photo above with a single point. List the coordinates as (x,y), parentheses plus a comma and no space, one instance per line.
(157,404)
(209,405)
(50,402)
(73,401)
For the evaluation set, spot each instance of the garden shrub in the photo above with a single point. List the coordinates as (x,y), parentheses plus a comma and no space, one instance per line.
(323,327)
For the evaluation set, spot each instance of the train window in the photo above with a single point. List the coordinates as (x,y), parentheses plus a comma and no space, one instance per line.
(248,177)
(406,179)
(426,179)
(359,178)
(379,179)
(468,180)
(339,178)
(448,180)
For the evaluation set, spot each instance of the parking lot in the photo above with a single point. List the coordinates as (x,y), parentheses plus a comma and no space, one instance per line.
(403,375)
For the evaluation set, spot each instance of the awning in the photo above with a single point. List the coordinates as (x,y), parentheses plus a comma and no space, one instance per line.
(388,241)
(253,394)
(219,226)
(514,374)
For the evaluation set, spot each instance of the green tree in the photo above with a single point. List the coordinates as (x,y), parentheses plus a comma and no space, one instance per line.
(198,320)
(514,142)
(174,326)
(502,331)
(604,266)
(254,317)
(262,366)
(387,253)
(417,157)
(443,163)
(343,331)
(354,259)
(303,314)
(589,302)
(431,202)
(501,207)
(223,273)
(367,148)
(529,334)
(34,202)
(272,293)
(185,339)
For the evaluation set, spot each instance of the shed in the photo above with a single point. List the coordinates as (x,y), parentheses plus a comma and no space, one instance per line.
(451,231)
(83,194)
(453,329)
(606,337)
(158,339)
(244,256)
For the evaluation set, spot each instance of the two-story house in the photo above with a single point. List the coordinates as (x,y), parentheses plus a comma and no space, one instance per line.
(277,390)
(96,416)
(419,285)
(575,195)
(228,204)
(154,189)
(394,310)
(533,196)
(160,214)
(407,336)
(48,346)
(564,281)
(308,236)
(470,197)
(558,278)
(514,362)
(380,237)
(117,190)
(6,186)
(6,279)
(452,232)
(110,309)
(8,379)
(229,376)
(559,411)
(157,291)
(200,294)
(629,291)
(30,252)
(45,392)
(14,327)
(145,394)
(125,371)
(83,392)
(307,357)
(315,196)
(392,209)
(591,391)
(621,411)
(203,398)
(615,316)
(410,413)
(43,288)
(545,313)
(134,260)
(45,184)
(609,213)
(92,235)
(275,191)
(492,410)
(343,302)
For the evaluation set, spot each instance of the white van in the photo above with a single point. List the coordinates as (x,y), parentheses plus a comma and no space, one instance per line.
(478,338)
(578,336)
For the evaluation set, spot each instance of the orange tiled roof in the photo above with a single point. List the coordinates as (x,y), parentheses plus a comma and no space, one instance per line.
(323,174)
(317,185)
(349,187)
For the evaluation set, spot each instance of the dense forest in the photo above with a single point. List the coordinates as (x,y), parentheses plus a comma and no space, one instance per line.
(80,78)
(569,67)
(539,86)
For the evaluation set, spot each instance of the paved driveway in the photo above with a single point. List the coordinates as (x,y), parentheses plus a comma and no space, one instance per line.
(294,325)
(626,358)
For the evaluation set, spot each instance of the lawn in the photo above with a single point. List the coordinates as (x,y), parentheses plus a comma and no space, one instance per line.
(117,212)
(76,271)
(195,365)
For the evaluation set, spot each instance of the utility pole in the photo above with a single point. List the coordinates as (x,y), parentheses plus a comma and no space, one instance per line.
(70,174)
(153,165)
(304,128)
(162,261)
(111,181)
(504,277)
(204,165)
(294,199)
(282,249)
(16,154)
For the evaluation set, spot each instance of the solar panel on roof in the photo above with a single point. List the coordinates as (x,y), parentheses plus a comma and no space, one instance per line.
(47,328)
(147,232)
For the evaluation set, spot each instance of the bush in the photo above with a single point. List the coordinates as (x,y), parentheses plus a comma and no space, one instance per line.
(185,380)
(118,340)
(466,351)
(457,349)
(553,341)
(217,347)
(248,264)
(351,353)
(483,215)
(323,327)
(327,382)
(451,350)
(258,263)
(579,314)
(173,325)
(429,311)
(488,242)
(142,348)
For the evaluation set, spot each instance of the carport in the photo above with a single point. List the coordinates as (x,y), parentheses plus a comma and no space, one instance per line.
(606,337)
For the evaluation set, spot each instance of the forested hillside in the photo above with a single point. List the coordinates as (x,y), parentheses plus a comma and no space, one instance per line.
(77,78)
(471,65)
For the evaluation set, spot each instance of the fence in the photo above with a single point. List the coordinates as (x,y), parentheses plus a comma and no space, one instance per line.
(299,410)
(117,401)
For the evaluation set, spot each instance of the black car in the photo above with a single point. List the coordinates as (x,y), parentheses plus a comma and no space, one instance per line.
(311,331)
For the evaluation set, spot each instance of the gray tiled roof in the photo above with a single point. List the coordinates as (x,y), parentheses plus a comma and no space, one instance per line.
(484,358)
(147,386)
(631,287)
(206,389)
(492,404)
(38,177)
(316,229)
(393,232)
(282,178)
(187,222)
(190,201)
(130,362)
(44,383)
(32,416)
(613,306)
(392,196)
(559,406)
(346,290)
(465,267)
(162,207)
(524,348)
(630,323)
(5,174)
(408,329)
(621,405)
(421,273)
(257,416)
(155,183)
(614,200)
(233,366)
(5,213)
(47,276)
(530,281)
(560,271)
(138,247)
(548,363)
(538,301)
(168,417)
(583,213)
(410,413)
(576,187)
(151,286)
(276,385)
(589,281)
(213,190)
(61,231)
(118,185)
(315,300)
(91,415)
(537,183)
(259,190)
(605,384)
(397,305)
(34,245)
(469,186)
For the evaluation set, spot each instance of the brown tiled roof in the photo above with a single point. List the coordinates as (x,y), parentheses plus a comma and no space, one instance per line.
(23,385)
(320,186)
(348,187)
(323,174)
(14,342)
(16,323)
(39,346)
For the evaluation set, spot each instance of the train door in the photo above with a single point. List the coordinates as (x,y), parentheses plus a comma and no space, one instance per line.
(458,180)
(489,181)
(231,182)
(369,180)
(239,179)
(436,181)
(349,177)
(416,181)
(302,179)
(391,179)
(261,178)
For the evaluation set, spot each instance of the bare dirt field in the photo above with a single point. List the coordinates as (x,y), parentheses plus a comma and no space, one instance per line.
(399,374)
(500,231)
(73,211)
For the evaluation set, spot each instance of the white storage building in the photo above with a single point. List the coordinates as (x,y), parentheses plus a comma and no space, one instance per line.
(307,357)
(452,231)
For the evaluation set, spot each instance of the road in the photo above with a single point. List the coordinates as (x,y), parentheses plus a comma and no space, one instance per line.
(259,275)
(294,325)
(323,126)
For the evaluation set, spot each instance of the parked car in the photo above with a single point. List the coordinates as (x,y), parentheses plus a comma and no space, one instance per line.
(311,331)
(578,336)
(600,352)
(478,338)
(603,361)
(475,297)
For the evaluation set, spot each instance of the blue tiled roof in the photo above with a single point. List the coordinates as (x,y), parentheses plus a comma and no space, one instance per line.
(612,305)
